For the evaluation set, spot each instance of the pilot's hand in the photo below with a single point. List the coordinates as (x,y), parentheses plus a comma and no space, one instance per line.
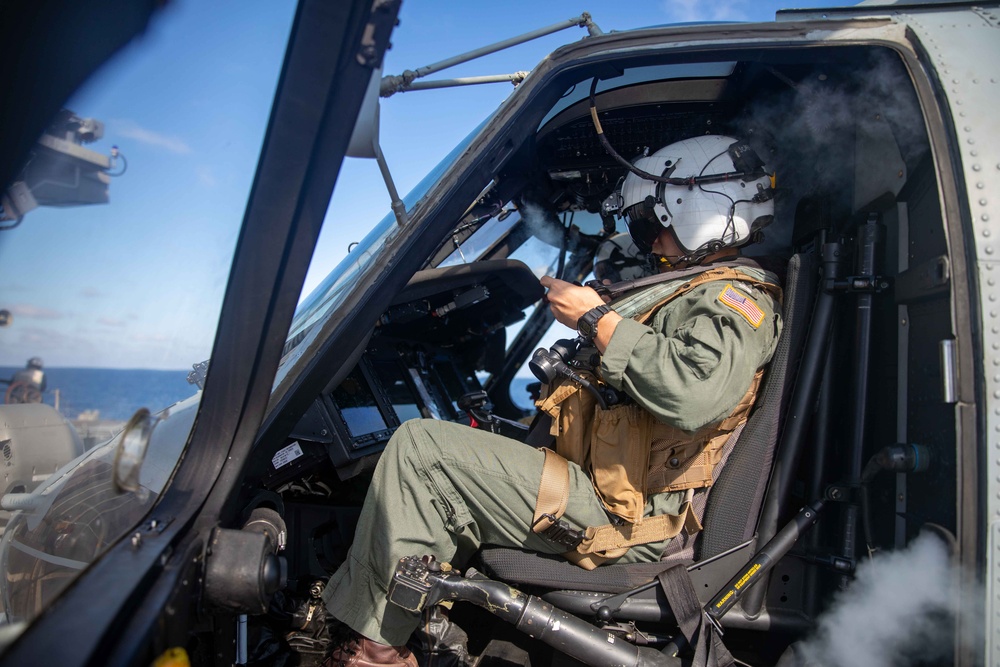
(568,302)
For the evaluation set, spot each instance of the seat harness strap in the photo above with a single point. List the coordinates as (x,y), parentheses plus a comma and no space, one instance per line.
(553,496)
(642,304)
(700,633)
(610,541)
(598,543)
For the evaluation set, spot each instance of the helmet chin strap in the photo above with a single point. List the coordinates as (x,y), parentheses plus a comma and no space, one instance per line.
(668,262)
(705,249)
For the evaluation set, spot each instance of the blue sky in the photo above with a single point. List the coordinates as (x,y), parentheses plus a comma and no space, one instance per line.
(138,283)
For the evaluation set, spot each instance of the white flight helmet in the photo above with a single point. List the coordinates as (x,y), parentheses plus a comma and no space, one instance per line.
(713,193)
(618,259)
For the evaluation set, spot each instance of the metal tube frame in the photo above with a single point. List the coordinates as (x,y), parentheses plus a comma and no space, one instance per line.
(803,401)
(393,84)
(868,237)
(515,78)
(821,445)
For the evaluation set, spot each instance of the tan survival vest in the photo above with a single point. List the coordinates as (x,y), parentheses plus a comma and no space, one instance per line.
(629,454)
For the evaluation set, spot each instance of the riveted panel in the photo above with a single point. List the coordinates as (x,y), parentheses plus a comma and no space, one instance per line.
(963,48)
(993,598)
(989,280)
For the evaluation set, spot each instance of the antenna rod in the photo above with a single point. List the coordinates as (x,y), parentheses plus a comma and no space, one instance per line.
(515,78)
(392,84)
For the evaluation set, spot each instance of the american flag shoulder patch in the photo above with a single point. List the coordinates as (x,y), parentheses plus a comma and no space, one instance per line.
(743,305)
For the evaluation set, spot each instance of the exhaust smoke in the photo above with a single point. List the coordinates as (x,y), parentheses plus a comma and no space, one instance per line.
(813,123)
(900,610)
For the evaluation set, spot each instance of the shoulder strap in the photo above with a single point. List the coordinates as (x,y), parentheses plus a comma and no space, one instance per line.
(553,492)
(712,275)
(618,289)
(624,287)
(709,651)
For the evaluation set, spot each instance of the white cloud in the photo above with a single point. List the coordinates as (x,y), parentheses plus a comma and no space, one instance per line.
(205,176)
(132,130)
(110,322)
(687,11)
(150,338)
(91,292)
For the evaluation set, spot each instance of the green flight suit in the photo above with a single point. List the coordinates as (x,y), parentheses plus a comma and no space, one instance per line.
(442,488)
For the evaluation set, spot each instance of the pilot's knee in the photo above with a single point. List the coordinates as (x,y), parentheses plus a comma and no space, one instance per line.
(410,431)
(430,439)
(409,437)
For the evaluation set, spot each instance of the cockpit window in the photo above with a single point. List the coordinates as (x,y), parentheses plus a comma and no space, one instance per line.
(636,75)
(482,240)
(116,239)
(540,257)
(318,306)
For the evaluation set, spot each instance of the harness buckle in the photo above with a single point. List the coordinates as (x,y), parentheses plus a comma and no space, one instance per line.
(559,532)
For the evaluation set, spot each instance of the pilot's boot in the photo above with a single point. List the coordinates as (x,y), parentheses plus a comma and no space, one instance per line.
(358,651)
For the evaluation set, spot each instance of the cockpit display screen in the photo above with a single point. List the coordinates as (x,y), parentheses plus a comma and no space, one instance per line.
(390,373)
(357,406)
(363,420)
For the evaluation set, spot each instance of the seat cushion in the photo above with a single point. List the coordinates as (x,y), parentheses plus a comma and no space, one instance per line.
(521,567)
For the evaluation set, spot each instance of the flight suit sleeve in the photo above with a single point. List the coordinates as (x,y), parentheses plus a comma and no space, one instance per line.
(697,359)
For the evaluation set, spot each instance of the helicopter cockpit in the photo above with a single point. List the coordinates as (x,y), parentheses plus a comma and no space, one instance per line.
(212,527)
(843,136)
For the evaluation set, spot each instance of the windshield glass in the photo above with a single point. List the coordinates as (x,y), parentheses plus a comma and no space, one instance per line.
(116,242)
(322,302)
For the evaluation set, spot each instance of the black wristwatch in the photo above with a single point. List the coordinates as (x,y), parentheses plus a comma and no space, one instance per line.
(587,324)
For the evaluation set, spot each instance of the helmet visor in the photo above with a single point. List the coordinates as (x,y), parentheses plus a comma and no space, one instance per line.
(643,226)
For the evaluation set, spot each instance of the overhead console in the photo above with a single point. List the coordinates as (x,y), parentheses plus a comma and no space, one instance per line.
(446,324)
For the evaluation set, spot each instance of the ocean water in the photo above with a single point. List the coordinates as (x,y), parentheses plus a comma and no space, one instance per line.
(519,392)
(116,394)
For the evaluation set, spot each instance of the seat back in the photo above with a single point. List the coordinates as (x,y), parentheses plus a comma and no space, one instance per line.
(733,506)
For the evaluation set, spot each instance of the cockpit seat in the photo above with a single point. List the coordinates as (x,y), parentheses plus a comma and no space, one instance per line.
(730,508)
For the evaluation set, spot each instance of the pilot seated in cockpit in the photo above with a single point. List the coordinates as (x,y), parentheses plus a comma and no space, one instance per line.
(618,259)
(686,355)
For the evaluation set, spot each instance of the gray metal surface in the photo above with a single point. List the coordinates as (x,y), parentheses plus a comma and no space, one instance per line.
(903,373)
(965,50)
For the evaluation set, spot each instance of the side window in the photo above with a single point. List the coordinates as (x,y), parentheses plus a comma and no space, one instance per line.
(522,391)
(116,239)
(482,240)
(540,257)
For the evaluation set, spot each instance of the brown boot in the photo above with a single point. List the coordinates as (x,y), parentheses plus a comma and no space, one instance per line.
(358,651)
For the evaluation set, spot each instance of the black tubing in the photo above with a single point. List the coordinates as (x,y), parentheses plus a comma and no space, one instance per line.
(532,615)
(799,410)
(869,235)
(583,641)
(763,561)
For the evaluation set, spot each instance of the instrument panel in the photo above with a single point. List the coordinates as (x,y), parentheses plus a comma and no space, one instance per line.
(446,325)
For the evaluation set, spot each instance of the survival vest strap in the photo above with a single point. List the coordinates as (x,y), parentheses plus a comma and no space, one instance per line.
(597,544)
(610,541)
(553,496)
(642,306)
